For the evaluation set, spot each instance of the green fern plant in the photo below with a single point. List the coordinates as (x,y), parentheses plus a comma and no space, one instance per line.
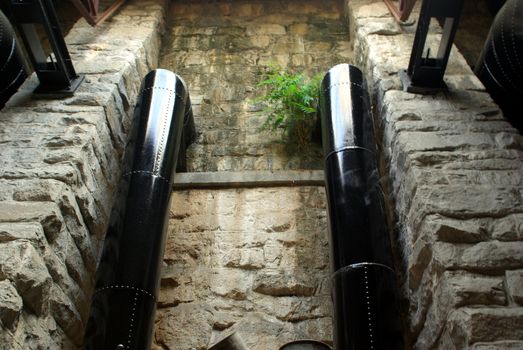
(290,101)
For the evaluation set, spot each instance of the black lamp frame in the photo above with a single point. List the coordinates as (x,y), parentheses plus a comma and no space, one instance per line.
(425,73)
(56,73)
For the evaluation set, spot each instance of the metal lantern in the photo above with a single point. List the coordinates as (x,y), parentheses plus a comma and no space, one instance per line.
(427,68)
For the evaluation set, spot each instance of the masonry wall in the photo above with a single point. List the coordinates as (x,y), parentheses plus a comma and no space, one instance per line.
(222,49)
(455,169)
(60,162)
(253,260)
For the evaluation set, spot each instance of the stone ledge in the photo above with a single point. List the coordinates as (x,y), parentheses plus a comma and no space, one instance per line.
(243,179)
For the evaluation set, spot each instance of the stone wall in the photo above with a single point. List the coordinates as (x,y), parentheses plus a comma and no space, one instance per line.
(60,161)
(222,49)
(455,167)
(250,261)
(254,260)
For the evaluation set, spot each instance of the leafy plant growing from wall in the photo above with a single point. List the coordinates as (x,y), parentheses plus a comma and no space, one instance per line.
(290,101)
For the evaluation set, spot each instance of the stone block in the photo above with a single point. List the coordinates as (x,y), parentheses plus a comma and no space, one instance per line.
(8,341)
(21,263)
(484,257)
(372,10)
(63,196)
(78,295)
(247,259)
(294,309)
(380,26)
(49,216)
(266,29)
(287,45)
(10,305)
(456,231)
(41,333)
(67,251)
(305,8)
(317,329)
(33,232)
(185,327)
(189,249)
(464,202)
(500,345)
(233,284)
(284,283)
(302,60)
(508,228)
(457,289)
(248,10)
(426,142)
(464,81)
(514,283)
(30,231)
(181,285)
(66,315)
(299,28)
(467,326)
(260,332)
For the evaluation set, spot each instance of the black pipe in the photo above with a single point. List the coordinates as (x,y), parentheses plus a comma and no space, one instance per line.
(12,69)
(128,275)
(364,292)
(500,66)
(494,5)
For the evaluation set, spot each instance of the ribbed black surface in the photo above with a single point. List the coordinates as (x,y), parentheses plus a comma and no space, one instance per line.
(128,275)
(500,66)
(12,72)
(366,315)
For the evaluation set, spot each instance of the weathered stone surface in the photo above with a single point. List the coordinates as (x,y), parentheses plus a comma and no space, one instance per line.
(8,341)
(381,26)
(21,263)
(317,329)
(294,309)
(244,252)
(40,333)
(248,259)
(232,284)
(501,345)
(279,283)
(457,289)
(10,304)
(233,51)
(185,327)
(181,285)
(467,326)
(59,171)
(509,228)
(261,332)
(66,315)
(465,202)
(514,282)
(47,213)
(455,170)
(456,231)
(484,256)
